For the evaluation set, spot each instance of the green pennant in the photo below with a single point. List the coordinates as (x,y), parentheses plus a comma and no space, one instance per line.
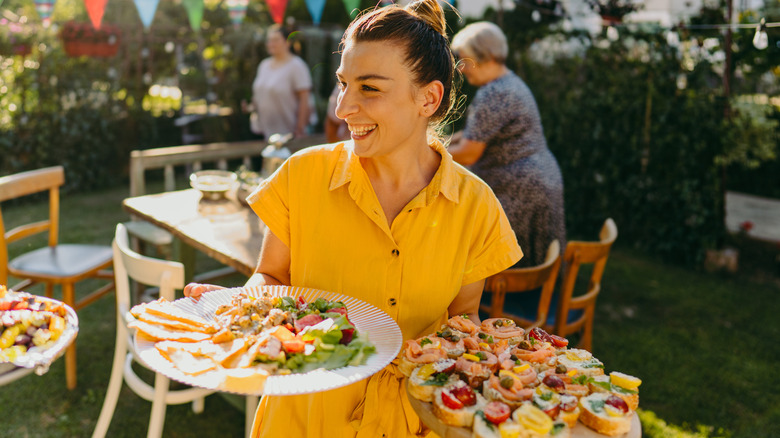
(194,13)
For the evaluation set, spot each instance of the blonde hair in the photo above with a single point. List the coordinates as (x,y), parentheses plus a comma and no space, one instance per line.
(484,41)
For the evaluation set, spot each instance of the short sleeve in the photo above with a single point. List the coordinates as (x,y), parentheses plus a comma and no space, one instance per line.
(301,77)
(494,248)
(487,115)
(271,202)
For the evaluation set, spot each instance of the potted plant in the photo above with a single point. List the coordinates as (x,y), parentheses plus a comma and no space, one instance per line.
(81,39)
(613,11)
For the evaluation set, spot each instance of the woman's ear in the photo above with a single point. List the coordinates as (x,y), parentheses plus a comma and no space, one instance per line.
(432,95)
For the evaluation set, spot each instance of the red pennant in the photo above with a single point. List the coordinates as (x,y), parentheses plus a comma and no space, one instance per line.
(95,9)
(277,8)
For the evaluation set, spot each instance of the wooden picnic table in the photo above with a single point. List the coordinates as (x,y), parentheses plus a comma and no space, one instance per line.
(224,230)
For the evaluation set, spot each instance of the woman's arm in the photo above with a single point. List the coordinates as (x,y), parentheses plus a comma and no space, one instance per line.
(465,151)
(467,301)
(273,267)
(303,112)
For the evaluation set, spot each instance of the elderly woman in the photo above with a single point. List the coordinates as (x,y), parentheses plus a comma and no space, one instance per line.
(503,142)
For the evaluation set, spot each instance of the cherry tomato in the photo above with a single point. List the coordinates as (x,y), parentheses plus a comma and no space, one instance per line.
(346,336)
(497,412)
(553,411)
(617,403)
(293,345)
(540,335)
(554,382)
(450,400)
(558,341)
(466,395)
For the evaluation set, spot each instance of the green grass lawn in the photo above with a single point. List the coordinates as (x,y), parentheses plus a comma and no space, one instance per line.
(703,344)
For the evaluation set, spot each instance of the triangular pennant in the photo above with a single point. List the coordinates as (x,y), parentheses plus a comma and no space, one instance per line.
(315,8)
(353,7)
(194,13)
(95,10)
(277,7)
(44,8)
(146,10)
(237,11)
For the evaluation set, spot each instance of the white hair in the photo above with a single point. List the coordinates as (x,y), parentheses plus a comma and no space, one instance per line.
(484,41)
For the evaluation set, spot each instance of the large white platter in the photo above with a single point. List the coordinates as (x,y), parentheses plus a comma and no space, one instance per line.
(382,331)
(40,359)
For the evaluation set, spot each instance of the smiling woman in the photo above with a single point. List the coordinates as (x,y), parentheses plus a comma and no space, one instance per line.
(387,217)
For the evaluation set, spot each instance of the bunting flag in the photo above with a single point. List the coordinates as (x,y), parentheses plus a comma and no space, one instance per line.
(353,7)
(146,10)
(44,8)
(237,11)
(277,7)
(194,13)
(95,10)
(315,8)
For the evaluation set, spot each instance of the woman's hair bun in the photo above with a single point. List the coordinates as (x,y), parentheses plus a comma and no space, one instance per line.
(430,12)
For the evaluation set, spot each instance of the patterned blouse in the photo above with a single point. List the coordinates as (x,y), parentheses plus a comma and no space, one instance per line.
(517,164)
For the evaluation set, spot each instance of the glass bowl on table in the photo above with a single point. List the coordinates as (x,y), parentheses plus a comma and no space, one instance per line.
(248,180)
(213,184)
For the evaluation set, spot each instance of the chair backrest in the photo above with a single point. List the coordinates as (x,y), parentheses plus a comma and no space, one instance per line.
(168,158)
(27,183)
(579,253)
(523,280)
(128,264)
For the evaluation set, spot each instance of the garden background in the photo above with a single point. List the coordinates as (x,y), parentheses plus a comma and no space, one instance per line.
(640,123)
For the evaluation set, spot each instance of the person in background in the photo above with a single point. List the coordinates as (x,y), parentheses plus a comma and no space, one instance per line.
(387,218)
(503,142)
(281,90)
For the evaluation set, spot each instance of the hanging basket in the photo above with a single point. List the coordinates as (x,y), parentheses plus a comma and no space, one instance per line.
(81,39)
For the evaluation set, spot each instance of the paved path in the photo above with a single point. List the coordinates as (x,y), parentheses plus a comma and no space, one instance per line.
(764,213)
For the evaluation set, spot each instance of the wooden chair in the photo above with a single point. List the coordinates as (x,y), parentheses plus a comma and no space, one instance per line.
(168,276)
(57,263)
(575,312)
(520,280)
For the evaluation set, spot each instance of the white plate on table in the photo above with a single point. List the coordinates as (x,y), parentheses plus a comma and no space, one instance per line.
(382,331)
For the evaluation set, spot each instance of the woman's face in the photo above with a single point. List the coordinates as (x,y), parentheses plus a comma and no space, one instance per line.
(276,44)
(383,108)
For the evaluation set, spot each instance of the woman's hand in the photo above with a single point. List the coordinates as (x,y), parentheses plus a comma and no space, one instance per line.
(195,290)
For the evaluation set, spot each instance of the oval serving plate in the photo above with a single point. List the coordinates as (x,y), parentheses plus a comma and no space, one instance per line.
(381,330)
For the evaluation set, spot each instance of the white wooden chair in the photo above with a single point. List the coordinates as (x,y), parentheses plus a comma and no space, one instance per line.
(168,276)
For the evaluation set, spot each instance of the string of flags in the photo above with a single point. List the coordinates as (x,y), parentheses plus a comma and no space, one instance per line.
(194,9)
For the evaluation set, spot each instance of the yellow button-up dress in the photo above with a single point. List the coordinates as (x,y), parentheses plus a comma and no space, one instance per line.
(320,203)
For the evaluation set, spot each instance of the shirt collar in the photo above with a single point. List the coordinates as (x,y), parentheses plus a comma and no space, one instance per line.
(445,181)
